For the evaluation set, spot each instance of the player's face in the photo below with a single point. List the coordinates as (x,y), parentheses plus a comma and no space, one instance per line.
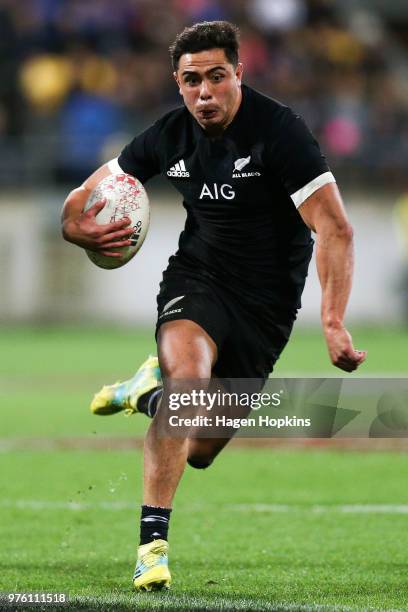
(211,88)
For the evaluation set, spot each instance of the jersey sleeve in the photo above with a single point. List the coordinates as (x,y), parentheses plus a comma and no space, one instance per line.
(139,158)
(298,160)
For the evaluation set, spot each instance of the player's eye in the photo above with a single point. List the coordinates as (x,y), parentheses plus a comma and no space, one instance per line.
(192,81)
(217,77)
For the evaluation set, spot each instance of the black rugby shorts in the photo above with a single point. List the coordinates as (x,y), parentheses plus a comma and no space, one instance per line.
(250,337)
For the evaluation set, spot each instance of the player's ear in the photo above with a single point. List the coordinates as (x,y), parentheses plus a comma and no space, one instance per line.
(175,76)
(239,71)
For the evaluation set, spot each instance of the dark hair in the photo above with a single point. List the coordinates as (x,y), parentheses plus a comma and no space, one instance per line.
(204,36)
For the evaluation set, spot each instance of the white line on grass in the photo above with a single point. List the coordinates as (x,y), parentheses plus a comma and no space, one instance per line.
(38,504)
(320,509)
(115,506)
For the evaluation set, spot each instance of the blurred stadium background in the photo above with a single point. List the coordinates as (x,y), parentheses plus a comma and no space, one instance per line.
(78,80)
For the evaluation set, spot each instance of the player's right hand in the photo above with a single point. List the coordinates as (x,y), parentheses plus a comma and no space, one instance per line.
(85,232)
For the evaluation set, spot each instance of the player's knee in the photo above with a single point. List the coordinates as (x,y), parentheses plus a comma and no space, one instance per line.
(174,369)
(200,462)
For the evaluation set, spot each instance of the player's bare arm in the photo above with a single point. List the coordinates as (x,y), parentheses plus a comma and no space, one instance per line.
(324,214)
(80,227)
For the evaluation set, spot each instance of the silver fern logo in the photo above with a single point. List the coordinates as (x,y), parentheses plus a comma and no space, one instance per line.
(172,302)
(241,163)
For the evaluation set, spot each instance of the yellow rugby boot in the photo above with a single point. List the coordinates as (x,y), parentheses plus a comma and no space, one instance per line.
(125,395)
(152,571)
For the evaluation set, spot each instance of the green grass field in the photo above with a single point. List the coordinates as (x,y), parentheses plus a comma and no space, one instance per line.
(260,530)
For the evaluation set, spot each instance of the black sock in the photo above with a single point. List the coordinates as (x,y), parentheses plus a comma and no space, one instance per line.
(147,403)
(154,524)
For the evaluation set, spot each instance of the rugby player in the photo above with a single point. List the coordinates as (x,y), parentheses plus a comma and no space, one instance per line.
(254,184)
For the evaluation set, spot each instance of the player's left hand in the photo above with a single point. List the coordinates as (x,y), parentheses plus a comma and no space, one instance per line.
(342,353)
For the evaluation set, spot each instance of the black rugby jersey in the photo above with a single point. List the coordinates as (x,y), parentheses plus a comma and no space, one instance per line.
(242,229)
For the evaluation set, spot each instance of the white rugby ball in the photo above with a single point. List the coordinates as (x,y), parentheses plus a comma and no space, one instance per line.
(125,197)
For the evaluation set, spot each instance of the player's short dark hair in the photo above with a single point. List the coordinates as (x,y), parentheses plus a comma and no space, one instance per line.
(204,36)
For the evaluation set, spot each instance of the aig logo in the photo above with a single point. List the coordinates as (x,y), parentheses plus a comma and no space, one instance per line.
(225,192)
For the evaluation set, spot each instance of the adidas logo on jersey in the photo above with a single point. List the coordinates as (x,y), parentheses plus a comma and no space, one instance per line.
(179,170)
